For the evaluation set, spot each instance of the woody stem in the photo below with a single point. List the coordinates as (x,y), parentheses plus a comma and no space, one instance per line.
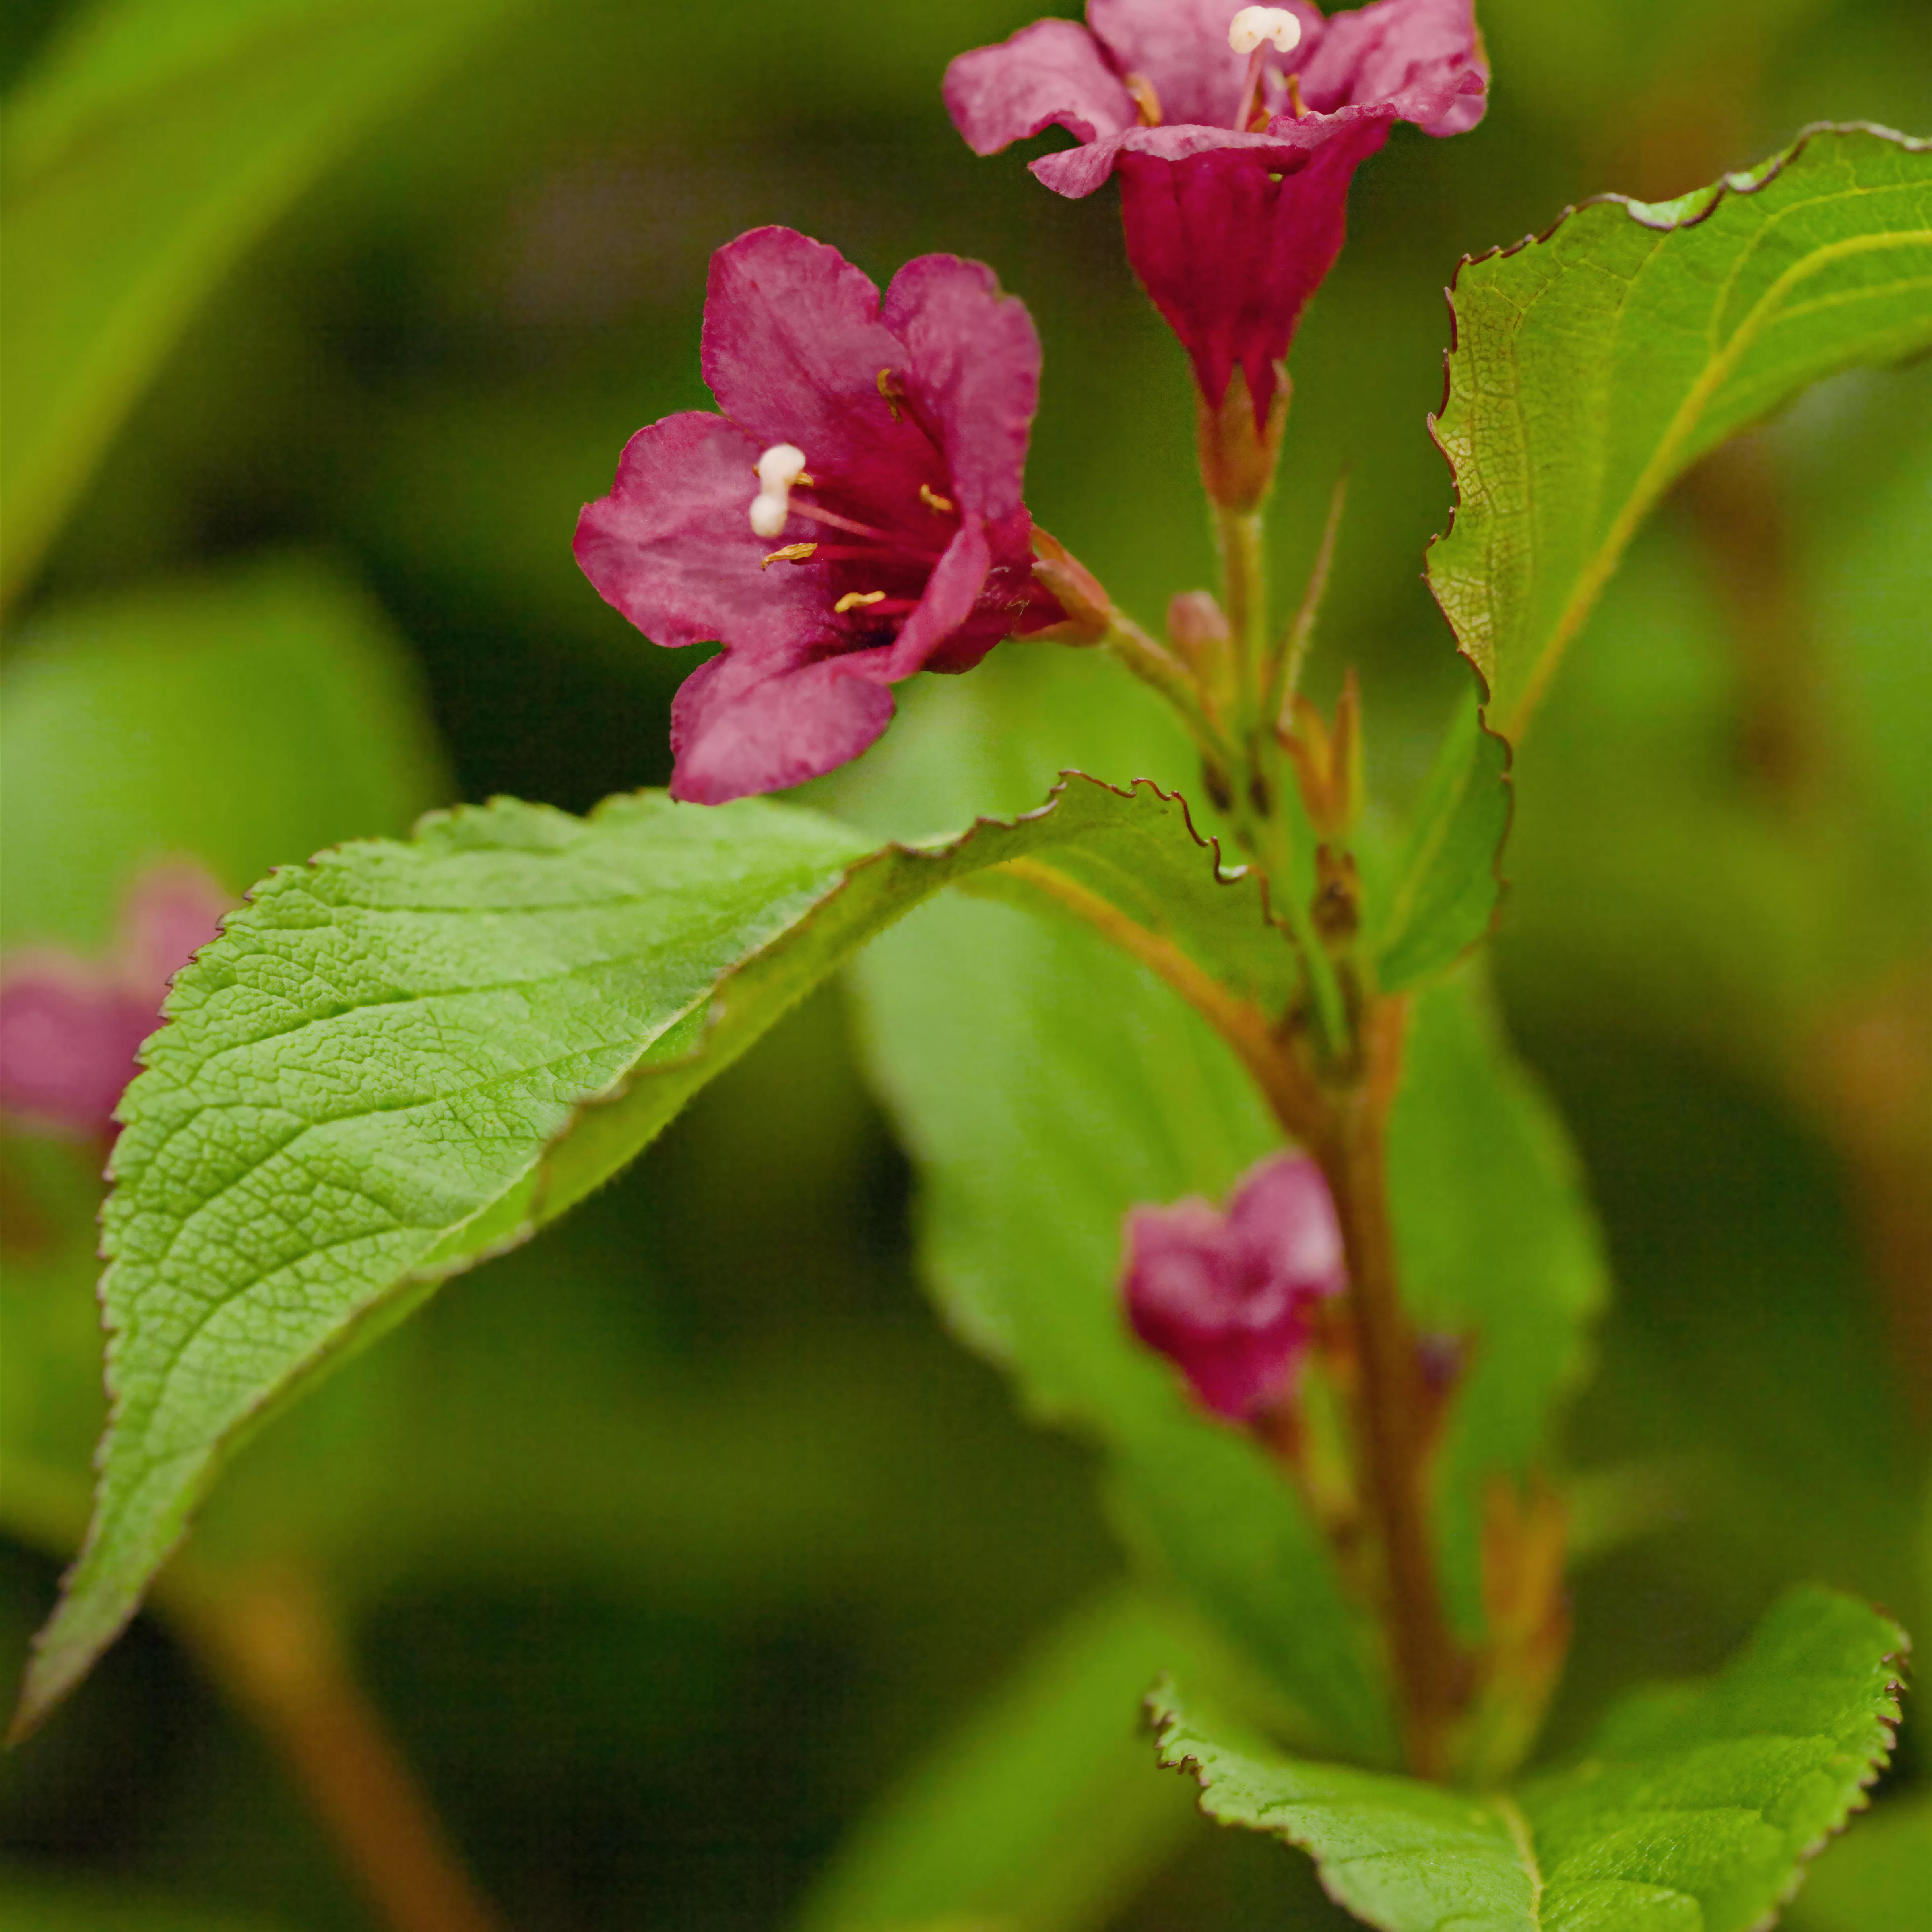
(1391,1453)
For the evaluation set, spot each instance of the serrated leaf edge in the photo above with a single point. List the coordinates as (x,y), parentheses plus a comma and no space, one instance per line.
(1739,182)
(388,1306)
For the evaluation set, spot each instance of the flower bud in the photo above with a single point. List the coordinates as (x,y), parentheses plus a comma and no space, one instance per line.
(1227,1297)
(1198,627)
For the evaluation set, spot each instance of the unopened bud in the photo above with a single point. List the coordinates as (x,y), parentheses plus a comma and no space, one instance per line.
(1198,627)
(1090,610)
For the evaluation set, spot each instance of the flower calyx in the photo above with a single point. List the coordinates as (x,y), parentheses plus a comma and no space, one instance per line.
(1090,610)
(1239,448)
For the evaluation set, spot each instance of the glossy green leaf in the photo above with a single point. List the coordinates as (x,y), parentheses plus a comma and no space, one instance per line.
(1044,1084)
(1039,1813)
(152,142)
(401,1058)
(1694,1808)
(1592,367)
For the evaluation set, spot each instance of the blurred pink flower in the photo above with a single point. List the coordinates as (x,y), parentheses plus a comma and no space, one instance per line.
(1227,1297)
(853,516)
(1234,165)
(70,1028)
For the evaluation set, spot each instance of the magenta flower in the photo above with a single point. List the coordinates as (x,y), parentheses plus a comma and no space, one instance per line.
(1235,133)
(853,516)
(1227,1297)
(70,1028)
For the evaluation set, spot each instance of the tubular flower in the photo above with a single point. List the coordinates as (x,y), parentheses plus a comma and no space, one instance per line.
(70,1028)
(1235,133)
(853,516)
(1227,1297)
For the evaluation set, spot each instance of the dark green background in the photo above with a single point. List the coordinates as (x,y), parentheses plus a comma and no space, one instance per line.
(687,1529)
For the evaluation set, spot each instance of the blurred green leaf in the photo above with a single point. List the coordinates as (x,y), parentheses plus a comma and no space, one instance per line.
(1592,367)
(151,143)
(232,718)
(1694,1807)
(385,1071)
(1474,1148)
(228,719)
(1044,1084)
(35,1904)
(1441,898)
(1877,1880)
(1041,1812)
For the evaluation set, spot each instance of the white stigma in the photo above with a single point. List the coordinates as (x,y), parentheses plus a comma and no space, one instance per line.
(779,468)
(1253,25)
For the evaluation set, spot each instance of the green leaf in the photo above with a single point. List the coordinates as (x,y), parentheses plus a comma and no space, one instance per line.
(1474,1148)
(1693,1809)
(232,718)
(1878,1880)
(1039,1813)
(152,144)
(228,719)
(1044,1084)
(1440,901)
(1591,367)
(402,1058)
(35,1904)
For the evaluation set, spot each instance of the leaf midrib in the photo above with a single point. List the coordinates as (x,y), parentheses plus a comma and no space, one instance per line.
(1658,472)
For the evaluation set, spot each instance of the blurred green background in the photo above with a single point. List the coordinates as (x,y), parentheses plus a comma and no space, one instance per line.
(670,1544)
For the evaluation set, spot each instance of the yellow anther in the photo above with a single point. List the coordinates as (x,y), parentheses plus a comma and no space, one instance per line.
(852,599)
(1147,102)
(933,500)
(791,553)
(890,389)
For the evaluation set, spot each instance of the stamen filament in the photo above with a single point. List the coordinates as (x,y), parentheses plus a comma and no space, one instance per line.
(833,521)
(1251,31)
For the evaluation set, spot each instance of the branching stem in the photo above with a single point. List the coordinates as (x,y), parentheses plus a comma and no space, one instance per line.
(271,1644)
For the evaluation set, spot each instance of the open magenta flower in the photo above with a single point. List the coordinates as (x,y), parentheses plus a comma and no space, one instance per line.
(1227,1297)
(70,1028)
(1235,132)
(853,516)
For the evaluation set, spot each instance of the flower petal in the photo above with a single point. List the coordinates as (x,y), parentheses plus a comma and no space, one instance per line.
(792,349)
(951,592)
(1424,59)
(1284,1212)
(172,912)
(1050,72)
(746,723)
(68,1036)
(972,372)
(1181,47)
(672,546)
(1232,239)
